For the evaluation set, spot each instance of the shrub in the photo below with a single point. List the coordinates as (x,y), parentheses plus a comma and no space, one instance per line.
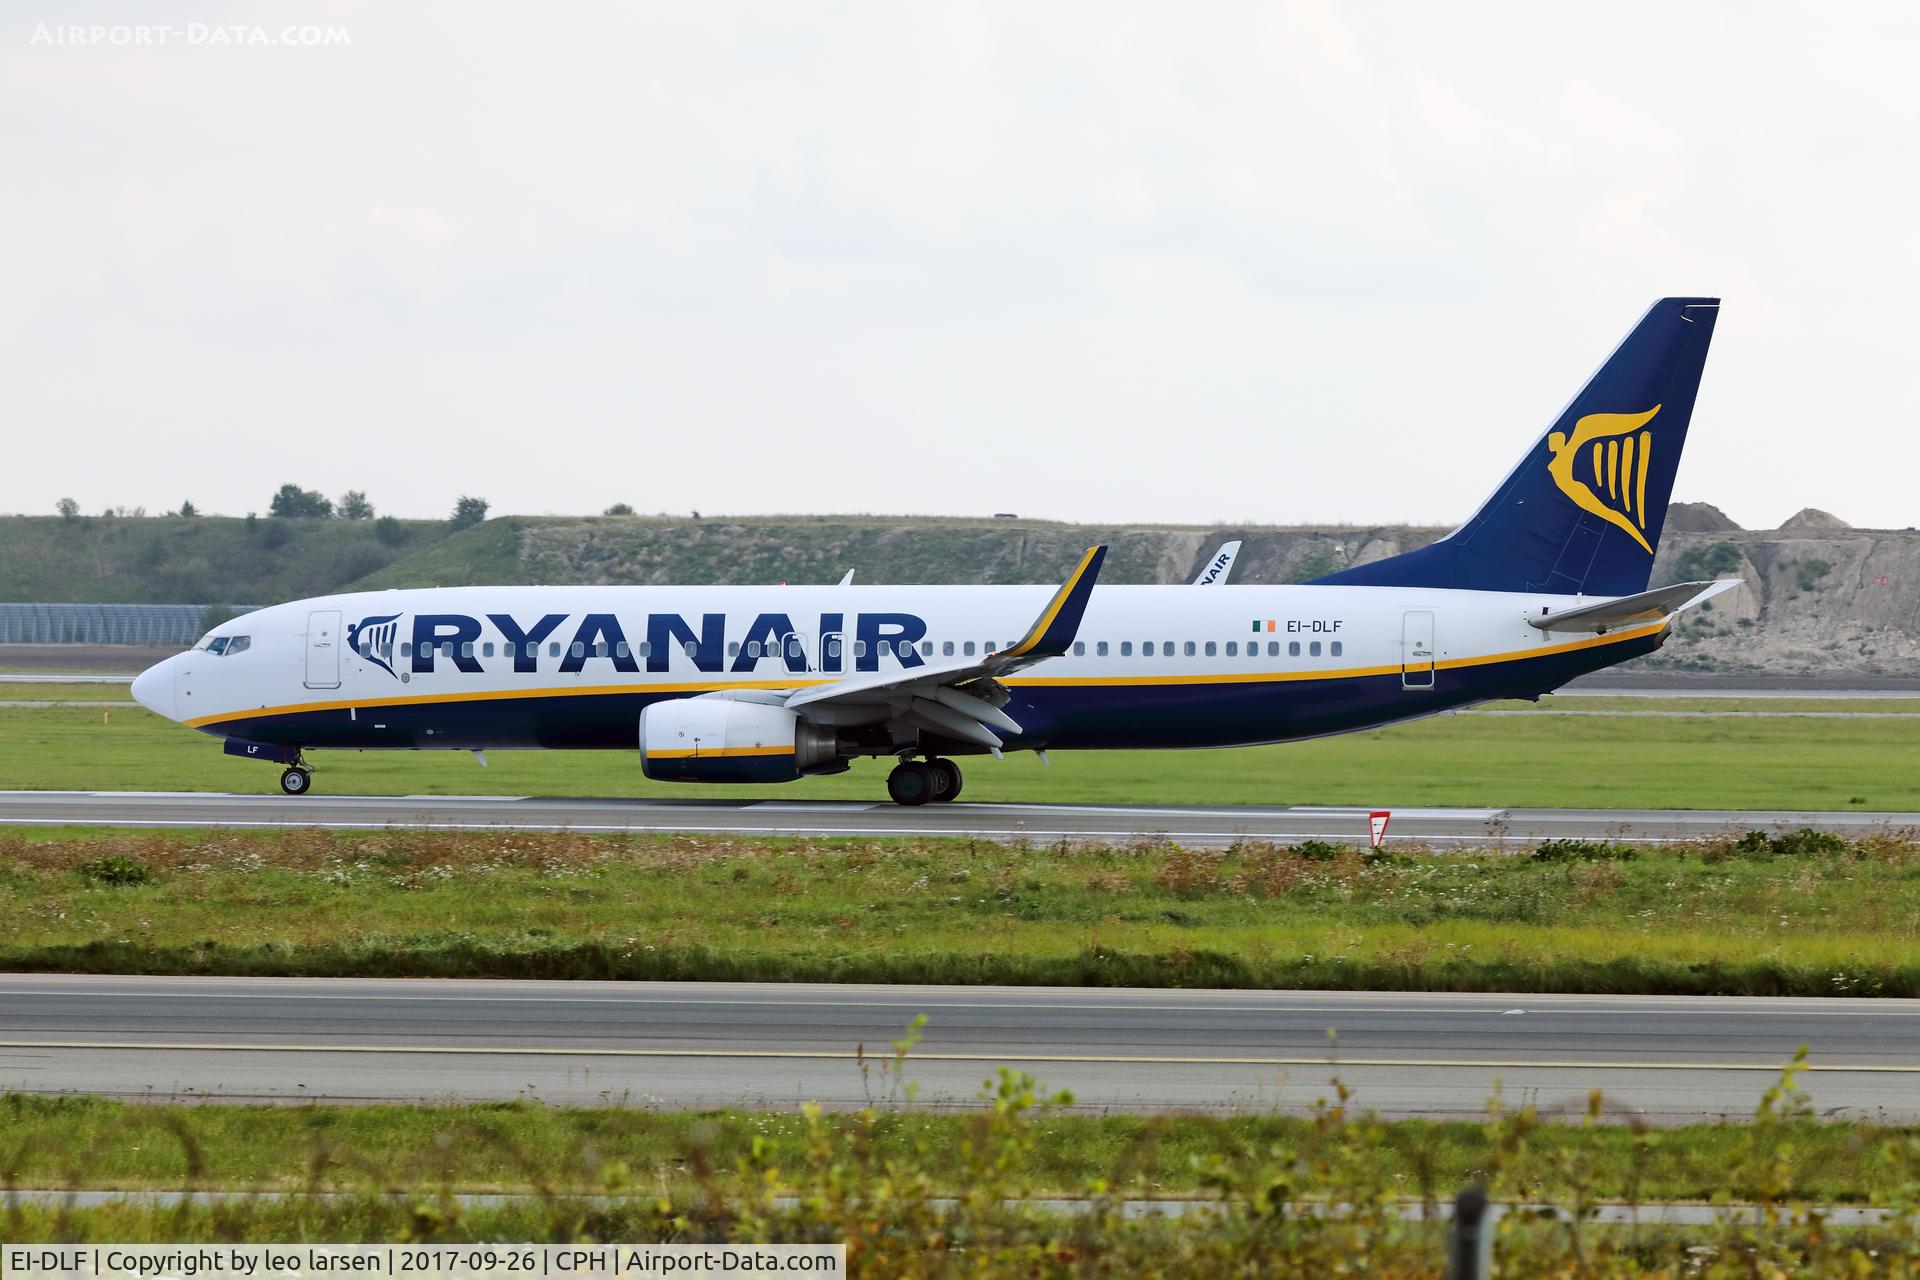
(1809,843)
(1710,561)
(116,870)
(467,512)
(1582,851)
(1803,843)
(389,532)
(1315,850)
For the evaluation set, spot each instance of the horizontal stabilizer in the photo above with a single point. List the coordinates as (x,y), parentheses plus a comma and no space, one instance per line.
(1648,606)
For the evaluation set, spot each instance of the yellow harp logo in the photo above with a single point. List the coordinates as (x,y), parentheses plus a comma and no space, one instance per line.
(1619,458)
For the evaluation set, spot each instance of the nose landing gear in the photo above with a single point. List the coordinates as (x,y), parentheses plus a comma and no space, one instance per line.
(297,778)
(915,782)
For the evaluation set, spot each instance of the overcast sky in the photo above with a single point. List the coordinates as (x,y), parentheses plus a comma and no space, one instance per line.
(1269,263)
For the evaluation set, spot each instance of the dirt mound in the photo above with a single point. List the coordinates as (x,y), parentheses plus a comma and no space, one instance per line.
(1699,517)
(1810,519)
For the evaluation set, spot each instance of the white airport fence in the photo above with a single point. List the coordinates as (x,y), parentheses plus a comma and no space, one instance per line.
(154,625)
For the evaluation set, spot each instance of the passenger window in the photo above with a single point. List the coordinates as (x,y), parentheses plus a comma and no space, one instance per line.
(1273,648)
(753,648)
(622,650)
(833,648)
(1126,648)
(577,649)
(553,649)
(886,648)
(486,650)
(446,650)
(1233,648)
(1314,649)
(967,649)
(1334,648)
(733,648)
(1189,648)
(946,649)
(1079,648)
(1147,649)
(1167,649)
(859,648)
(466,648)
(691,649)
(1100,649)
(406,648)
(644,648)
(1211,649)
(926,648)
(1293,648)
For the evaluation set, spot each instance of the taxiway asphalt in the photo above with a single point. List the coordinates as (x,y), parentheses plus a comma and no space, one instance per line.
(749,1044)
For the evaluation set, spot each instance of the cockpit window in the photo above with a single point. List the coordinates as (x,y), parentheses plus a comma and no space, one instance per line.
(224,646)
(217,645)
(239,644)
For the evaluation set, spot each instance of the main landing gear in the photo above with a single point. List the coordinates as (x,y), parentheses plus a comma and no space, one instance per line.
(915,782)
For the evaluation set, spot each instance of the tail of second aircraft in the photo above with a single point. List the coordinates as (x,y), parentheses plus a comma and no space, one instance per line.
(1582,513)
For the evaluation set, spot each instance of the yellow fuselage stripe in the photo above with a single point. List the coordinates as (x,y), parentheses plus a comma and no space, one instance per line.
(1237,677)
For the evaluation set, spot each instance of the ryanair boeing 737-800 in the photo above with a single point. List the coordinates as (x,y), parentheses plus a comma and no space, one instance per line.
(1547,581)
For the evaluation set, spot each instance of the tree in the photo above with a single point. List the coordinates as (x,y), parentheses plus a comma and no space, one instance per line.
(293,501)
(69,509)
(353,505)
(188,510)
(389,532)
(468,512)
(619,509)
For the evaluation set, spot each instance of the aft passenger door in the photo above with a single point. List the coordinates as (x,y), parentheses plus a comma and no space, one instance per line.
(1416,651)
(323,649)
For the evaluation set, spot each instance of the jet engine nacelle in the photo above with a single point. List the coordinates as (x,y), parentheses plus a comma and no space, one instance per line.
(728,740)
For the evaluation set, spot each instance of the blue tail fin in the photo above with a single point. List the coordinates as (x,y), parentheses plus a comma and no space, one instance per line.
(1582,513)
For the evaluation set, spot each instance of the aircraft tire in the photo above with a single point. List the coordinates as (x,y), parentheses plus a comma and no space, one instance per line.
(910,783)
(296,781)
(950,777)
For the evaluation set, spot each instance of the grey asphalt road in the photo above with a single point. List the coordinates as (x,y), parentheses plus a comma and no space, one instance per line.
(1197,826)
(709,1044)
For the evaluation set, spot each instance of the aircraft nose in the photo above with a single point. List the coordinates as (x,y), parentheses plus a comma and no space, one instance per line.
(153,689)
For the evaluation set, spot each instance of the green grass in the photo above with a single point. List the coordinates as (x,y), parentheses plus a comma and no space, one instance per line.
(1472,761)
(1723,917)
(98,1143)
(870,1180)
(88,691)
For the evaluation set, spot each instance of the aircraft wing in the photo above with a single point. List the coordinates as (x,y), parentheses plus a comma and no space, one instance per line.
(1216,570)
(960,699)
(1648,606)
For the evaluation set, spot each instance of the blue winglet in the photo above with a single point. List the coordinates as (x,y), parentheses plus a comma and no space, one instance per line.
(1053,631)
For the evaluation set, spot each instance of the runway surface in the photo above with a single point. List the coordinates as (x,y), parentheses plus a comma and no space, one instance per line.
(1197,826)
(705,1045)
